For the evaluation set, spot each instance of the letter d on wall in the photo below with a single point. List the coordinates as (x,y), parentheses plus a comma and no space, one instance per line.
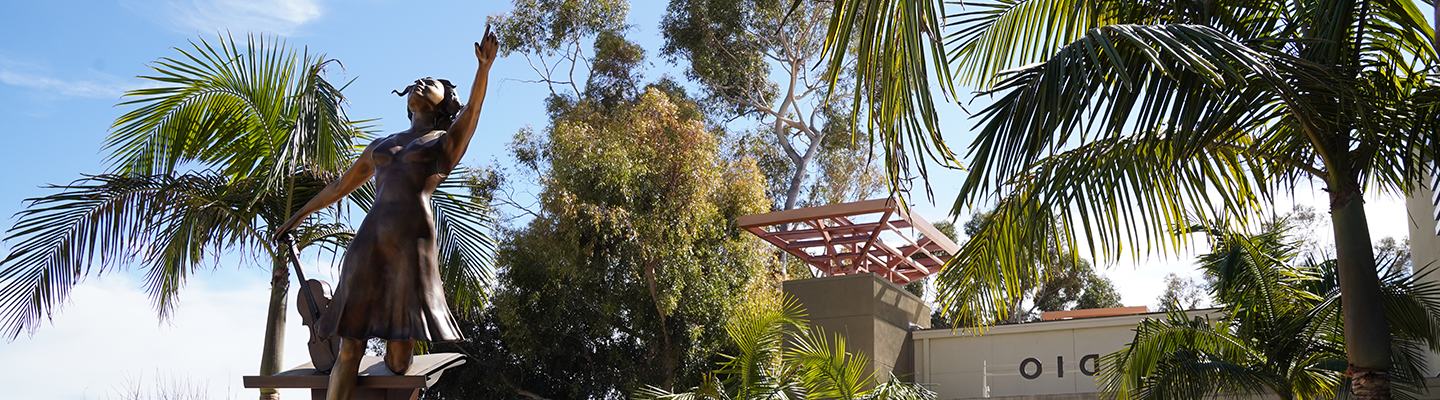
(1094,360)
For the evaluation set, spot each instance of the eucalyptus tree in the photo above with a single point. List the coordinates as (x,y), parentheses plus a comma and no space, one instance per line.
(232,138)
(760,60)
(552,35)
(1279,331)
(1133,116)
(632,264)
(1180,293)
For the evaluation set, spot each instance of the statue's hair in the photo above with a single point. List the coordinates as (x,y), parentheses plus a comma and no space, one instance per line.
(449,106)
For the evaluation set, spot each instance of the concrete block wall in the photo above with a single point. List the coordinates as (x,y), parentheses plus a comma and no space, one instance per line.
(1424,246)
(874,315)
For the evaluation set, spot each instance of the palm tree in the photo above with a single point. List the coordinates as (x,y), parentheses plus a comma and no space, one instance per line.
(230,142)
(1135,116)
(1280,333)
(782,357)
(897,46)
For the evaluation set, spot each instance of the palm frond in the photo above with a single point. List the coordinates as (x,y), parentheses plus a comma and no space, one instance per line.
(1119,79)
(654,393)
(782,357)
(897,46)
(256,110)
(466,250)
(827,371)
(1281,330)
(170,224)
(1119,191)
(1183,358)
(332,237)
(994,36)
(896,389)
(759,333)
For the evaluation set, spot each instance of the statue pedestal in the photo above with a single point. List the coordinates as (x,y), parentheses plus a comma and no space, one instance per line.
(375,383)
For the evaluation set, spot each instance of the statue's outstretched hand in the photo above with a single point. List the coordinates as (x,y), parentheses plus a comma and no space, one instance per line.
(486,49)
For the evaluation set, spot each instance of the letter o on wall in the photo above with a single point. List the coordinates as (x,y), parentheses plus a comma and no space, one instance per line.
(1094,360)
(1031,375)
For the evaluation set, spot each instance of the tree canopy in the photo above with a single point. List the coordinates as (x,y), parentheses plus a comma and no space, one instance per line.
(633,262)
(760,60)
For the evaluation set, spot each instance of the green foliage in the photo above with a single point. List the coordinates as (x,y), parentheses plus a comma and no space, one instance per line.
(804,139)
(782,357)
(896,47)
(1146,116)
(551,34)
(774,164)
(171,225)
(1063,283)
(615,73)
(1280,333)
(1054,281)
(463,223)
(547,26)
(1391,253)
(845,168)
(724,43)
(631,266)
(262,117)
(994,36)
(635,261)
(261,110)
(1099,293)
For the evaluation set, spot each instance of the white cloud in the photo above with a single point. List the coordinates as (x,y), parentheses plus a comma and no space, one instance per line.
(59,87)
(108,339)
(281,17)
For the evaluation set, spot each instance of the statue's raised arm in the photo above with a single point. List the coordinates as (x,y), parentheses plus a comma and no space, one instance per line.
(457,138)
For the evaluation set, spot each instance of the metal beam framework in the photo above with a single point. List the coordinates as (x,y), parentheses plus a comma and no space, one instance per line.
(830,239)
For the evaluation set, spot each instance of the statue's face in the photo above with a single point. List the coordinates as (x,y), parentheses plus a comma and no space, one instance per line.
(426,95)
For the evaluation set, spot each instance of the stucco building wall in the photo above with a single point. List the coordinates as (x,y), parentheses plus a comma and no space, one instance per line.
(1037,358)
(1424,243)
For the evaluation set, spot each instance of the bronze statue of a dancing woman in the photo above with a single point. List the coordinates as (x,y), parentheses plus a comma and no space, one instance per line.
(390,280)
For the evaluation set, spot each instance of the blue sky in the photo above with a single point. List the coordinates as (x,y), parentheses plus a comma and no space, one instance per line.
(64,65)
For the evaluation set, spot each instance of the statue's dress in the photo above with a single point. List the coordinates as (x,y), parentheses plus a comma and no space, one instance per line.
(390,284)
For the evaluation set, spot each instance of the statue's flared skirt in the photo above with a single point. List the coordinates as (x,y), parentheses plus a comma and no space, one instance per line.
(390,288)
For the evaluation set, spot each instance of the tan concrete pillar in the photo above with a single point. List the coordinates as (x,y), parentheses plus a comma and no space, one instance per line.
(874,315)
(1424,244)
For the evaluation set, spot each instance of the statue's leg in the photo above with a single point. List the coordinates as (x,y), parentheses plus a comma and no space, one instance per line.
(398,355)
(346,370)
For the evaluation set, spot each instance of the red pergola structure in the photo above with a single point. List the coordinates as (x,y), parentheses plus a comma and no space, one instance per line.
(848,238)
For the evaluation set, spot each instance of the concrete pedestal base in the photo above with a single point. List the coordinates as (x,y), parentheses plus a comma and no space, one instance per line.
(874,314)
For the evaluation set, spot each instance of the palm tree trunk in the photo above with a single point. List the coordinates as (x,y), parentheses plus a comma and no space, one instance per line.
(1367,334)
(274,351)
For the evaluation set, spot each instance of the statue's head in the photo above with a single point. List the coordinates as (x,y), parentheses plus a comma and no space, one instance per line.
(430,94)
